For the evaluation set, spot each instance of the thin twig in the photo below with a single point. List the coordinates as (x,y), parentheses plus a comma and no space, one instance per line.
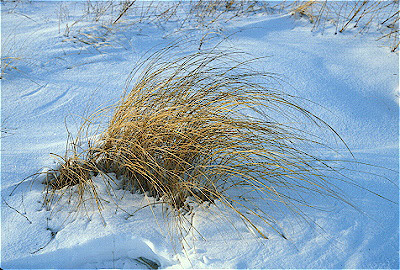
(17,211)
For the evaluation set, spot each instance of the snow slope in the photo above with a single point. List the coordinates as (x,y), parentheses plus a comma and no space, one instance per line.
(350,81)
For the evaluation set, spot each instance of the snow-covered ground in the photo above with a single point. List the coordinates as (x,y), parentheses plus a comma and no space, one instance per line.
(63,65)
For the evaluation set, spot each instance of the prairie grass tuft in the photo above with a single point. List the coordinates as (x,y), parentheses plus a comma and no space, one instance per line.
(198,128)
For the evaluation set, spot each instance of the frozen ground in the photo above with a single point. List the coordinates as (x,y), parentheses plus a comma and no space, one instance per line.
(352,80)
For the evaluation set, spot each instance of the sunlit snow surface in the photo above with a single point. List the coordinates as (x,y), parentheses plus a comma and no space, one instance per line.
(350,81)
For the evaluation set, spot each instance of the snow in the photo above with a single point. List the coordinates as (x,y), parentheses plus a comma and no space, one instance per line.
(350,81)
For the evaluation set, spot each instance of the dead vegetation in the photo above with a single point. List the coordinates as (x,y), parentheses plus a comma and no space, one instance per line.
(361,15)
(8,63)
(204,127)
(101,20)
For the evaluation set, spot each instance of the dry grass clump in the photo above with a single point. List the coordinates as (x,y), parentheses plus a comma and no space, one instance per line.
(360,14)
(202,128)
(71,179)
